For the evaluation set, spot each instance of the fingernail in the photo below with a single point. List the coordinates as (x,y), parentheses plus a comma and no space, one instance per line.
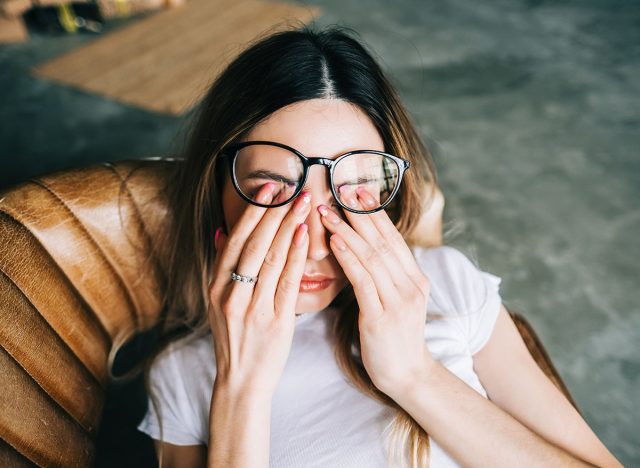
(300,233)
(266,194)
(302,203)
(330,215)
(215,239)
(365,196)
(348,196)
(339,242)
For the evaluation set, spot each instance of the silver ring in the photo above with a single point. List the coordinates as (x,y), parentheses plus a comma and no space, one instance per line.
(243,279)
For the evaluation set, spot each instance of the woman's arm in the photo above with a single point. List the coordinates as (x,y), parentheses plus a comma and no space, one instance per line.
(237,435)
(514,381)
(239,428)
(477,432)
(472,429)
(180,456)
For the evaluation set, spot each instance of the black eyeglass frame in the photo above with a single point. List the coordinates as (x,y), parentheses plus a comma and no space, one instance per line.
(231,152)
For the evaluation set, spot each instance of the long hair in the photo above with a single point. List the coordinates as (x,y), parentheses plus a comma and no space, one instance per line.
(281,69)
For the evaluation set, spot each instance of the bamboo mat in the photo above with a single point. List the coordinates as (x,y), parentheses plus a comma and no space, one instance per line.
(165,61)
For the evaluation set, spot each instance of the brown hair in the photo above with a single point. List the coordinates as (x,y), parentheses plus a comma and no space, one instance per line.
(278,70)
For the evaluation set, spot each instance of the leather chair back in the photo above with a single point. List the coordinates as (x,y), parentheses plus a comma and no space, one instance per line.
(78,277)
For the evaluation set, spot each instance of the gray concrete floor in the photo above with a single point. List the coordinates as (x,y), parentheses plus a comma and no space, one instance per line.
(531,109)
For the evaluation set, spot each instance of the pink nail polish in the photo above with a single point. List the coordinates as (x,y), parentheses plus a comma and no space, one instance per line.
(339,242)
(266,195)
(215,240)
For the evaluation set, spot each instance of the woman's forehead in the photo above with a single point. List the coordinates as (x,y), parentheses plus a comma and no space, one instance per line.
(320,127)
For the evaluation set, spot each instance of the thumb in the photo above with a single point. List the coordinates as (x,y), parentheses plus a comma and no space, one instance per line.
(220,239)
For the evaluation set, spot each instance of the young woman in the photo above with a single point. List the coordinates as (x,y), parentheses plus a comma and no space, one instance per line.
(302,328)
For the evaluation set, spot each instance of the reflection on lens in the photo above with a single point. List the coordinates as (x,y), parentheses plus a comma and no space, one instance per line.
(377,173)
(257,165)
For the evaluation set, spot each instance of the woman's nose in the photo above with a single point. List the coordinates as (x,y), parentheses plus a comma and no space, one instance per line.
(318,234)
(320,192)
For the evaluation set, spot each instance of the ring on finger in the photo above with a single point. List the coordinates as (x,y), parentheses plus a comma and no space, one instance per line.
(243,279)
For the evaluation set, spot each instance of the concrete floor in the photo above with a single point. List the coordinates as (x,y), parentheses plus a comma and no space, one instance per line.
(531,109)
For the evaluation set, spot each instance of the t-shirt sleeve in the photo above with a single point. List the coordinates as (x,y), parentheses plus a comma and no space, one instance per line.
(480,325)
(170,394)
(461,291)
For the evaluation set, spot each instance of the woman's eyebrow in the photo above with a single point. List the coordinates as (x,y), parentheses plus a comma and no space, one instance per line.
(359,180)
(266,174)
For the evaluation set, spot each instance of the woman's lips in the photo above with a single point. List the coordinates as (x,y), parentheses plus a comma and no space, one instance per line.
(314,283)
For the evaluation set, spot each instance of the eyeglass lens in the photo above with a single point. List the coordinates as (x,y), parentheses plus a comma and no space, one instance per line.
(256,165)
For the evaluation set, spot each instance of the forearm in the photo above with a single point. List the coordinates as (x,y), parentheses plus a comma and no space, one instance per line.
(239,429)
(472,429)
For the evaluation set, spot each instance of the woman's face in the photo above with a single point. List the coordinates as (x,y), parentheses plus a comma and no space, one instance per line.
(317,128)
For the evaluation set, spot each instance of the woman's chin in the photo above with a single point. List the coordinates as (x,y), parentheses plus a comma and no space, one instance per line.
(312,302)
(315,301)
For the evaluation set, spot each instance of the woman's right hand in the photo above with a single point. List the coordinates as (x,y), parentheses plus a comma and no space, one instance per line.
(253,324)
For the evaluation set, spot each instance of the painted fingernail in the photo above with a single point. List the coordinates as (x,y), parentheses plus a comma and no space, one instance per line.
(330,215)
(365,196)
(266,194)
(348,197)
(300,234)
(302,203)
(215,239)
(339,242)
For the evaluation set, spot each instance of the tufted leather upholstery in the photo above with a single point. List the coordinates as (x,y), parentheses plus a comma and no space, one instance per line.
(79,275)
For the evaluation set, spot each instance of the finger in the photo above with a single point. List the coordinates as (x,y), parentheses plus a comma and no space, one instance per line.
(273,262)
(388,231)
(257,248)
(216,285)
(288,288)
(368,257)
(217,320)
(254,251)
(227,257)
(217,290)
(219,241)
(364,286)
(363,224)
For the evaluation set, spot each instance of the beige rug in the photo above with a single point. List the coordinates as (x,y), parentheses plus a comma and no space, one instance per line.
(165,61)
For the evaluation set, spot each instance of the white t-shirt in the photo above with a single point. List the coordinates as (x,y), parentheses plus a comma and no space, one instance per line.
(318,419)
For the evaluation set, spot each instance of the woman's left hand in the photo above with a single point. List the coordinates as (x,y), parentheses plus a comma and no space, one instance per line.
(391,290)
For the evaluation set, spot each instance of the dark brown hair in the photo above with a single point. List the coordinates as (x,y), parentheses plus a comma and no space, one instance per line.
(275,71)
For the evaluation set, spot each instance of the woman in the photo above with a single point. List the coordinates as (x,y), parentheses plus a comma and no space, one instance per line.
(316,336)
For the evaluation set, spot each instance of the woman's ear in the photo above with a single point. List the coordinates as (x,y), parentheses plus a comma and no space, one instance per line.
(428,232)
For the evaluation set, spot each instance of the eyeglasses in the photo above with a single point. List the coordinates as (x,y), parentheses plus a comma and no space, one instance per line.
(255,163)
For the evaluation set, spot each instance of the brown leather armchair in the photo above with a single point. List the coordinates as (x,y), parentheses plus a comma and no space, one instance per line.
(79,276)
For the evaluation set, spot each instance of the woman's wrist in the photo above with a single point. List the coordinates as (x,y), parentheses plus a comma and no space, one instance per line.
(239,426)
(237,403)
(418,381)
(239,390)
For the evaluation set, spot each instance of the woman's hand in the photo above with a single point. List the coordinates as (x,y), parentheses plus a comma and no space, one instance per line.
(390,288)
(253,324)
